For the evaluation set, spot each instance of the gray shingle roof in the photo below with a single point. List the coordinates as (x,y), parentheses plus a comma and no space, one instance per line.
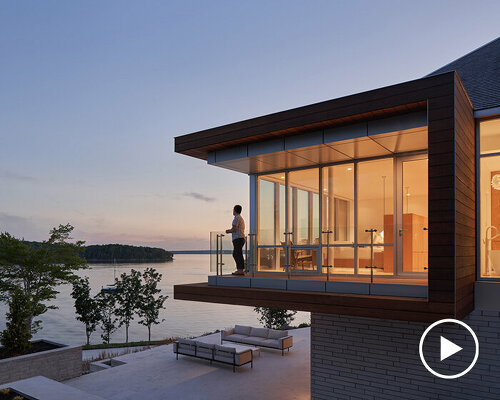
(480,74)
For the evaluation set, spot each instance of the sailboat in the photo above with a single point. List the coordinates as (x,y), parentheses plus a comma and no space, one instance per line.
(111,287)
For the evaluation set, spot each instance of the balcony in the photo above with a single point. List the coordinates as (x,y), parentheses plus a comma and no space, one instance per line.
(267,268)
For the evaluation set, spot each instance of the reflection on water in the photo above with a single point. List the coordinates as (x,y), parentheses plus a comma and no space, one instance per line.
(182,318)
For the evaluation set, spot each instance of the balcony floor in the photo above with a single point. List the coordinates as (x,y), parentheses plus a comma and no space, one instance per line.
(377,278)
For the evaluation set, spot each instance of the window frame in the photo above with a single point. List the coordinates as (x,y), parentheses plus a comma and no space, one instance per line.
(479,156)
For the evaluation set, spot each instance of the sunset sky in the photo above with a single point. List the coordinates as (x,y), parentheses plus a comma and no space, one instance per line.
(92,94)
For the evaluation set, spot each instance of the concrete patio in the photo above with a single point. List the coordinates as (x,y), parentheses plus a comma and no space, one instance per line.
(156,374)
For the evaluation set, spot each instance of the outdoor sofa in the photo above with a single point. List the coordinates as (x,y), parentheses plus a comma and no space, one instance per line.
(213,352)
(261,337)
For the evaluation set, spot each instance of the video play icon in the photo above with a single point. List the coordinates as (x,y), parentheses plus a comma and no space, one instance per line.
(448,348)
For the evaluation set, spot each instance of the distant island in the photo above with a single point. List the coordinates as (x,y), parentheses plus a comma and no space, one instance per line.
(191,251)
(122,253)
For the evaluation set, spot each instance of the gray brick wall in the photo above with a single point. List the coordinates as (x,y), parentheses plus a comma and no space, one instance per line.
(58,364)
(371,358)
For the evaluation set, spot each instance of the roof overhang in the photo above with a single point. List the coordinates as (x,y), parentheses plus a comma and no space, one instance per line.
(383,103)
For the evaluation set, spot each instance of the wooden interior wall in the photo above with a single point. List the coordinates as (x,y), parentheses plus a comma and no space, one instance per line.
(465,189)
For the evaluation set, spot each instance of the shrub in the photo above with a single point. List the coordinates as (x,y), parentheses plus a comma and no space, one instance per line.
(16,336)
(275,318)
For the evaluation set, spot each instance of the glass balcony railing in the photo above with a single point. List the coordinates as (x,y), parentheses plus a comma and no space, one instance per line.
(221,253)
(356,267)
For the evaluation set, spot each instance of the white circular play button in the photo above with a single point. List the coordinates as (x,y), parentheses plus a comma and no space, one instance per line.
(448,347)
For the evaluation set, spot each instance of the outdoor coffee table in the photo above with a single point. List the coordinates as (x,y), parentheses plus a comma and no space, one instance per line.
(242,347)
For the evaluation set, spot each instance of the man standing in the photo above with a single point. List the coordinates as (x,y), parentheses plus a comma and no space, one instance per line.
(238,233)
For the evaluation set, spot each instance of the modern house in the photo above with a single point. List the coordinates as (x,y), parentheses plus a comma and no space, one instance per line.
(379,213)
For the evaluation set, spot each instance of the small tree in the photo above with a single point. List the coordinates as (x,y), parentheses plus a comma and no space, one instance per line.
(150,304)
(16,337)
(37,268)
(275,318)
(128,292)
(86,307)
(107,307)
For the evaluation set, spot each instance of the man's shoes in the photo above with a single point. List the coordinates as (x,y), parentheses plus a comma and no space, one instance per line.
(238,272)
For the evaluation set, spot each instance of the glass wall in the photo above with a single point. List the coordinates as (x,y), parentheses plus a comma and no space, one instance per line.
(338,218)
(414,195)
(489,184)
(271,209)
(345,219)
(271,222)
(375,202)
(304,210)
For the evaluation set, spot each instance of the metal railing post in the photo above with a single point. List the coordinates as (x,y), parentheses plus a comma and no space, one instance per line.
(253,250)
(288,254)
(372,267)
(217,255)
(221,252)
(327,254)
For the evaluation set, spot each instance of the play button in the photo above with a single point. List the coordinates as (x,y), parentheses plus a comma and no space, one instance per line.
(448,348)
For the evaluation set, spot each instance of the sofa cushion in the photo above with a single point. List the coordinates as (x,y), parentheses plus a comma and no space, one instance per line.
(242,330)
(275,343)
(203,345)
(235,338)
(276,334)
(254,340)
(226,349)
(187,341)
(204,350)
(259,332)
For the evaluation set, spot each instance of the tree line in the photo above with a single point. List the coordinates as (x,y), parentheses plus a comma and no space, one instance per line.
(108,253)
(126,253)
(134,295)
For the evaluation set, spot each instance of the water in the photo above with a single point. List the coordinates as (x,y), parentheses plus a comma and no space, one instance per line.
(181,318)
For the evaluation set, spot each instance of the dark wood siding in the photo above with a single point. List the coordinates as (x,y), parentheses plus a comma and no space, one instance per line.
(401,308)
(465,217)
(440,111)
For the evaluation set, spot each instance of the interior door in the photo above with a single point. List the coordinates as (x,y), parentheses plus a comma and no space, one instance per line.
(412,215)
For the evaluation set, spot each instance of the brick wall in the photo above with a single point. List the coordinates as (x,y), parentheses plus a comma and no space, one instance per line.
(370,358)
(58,364)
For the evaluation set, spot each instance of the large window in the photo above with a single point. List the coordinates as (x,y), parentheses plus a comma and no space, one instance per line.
(354,218)
(376,216)
(490,198)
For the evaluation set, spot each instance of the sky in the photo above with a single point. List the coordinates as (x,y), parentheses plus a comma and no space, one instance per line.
(92,94)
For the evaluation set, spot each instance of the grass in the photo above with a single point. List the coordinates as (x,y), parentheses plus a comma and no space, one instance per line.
(129,344)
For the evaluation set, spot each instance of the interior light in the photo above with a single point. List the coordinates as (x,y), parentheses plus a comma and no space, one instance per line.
(408,194)
(495,182)
(282,177)
(349,169)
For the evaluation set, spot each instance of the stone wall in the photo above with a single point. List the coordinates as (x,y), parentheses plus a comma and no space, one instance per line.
(370,358)
(58,364)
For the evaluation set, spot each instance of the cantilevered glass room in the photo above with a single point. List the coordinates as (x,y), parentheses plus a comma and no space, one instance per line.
(344,204)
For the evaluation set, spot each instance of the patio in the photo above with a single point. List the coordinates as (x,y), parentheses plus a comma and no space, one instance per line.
(156,374)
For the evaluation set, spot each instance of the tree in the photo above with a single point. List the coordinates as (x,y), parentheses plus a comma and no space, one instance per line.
(275,318)
(87,307)
(107,307)
(128,292)
(16,337)
(150,304)
(38,270)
